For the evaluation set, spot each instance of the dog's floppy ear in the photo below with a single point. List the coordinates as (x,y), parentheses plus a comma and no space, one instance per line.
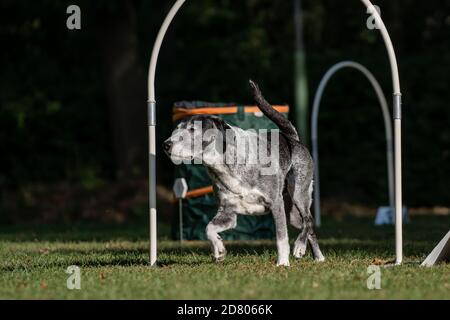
(220,124)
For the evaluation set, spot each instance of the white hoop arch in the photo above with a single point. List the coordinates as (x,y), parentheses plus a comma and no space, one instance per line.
(151,105)
(314,130)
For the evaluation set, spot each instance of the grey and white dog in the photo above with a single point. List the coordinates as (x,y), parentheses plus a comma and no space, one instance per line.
(242,187)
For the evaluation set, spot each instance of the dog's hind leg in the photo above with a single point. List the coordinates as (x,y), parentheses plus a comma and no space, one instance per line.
(300,244)
(312,238)
(302,239)
(221,222)
(295,215)
(301,218)
(317,253)
(310,235)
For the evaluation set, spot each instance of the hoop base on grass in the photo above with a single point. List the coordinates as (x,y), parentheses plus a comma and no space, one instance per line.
(440,253)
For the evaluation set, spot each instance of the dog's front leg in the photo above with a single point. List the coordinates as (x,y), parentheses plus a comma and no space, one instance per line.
(221,222)
(279,216)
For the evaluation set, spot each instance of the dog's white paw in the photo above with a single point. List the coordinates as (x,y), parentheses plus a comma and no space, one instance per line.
(283,263)
(220,252)
(221,256)
(320,258)
(299,250)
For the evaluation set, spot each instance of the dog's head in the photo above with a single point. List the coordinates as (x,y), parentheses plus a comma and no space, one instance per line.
(198,139)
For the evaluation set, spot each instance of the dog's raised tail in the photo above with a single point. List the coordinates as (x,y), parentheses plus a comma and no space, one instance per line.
(279,119)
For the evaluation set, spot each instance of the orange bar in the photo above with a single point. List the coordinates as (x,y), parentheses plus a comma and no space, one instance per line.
(254,109)
(181,113)
(199,192)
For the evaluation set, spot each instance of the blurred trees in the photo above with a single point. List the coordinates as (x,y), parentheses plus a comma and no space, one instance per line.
(73,103)
(125,82)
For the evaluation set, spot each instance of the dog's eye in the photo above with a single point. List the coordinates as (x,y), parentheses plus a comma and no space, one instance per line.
(191,129)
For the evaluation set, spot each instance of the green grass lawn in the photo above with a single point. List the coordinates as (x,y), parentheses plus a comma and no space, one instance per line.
(113,262)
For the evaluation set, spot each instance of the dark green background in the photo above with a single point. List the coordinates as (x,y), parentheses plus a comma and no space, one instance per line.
(60,130)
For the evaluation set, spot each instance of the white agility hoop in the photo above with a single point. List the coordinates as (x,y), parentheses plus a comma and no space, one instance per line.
(314,130)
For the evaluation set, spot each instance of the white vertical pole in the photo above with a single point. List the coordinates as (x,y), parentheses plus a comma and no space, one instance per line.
(152,128)
(397,131)
(152,188)
(398,179)
(180,213)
